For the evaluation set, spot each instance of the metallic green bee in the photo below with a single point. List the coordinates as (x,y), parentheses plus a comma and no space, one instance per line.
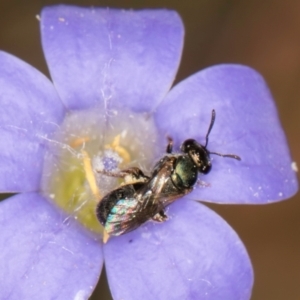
(127,207)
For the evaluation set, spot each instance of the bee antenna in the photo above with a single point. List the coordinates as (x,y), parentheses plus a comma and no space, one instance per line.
(227,155)
(212,121)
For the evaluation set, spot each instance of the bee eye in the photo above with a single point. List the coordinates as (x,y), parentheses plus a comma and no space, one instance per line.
(206,168)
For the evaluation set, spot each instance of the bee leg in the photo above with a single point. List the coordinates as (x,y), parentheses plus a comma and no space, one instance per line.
(170,145)
(160,217)
(130,175)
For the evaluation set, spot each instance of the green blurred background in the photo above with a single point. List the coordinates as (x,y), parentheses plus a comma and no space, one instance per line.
(262,34)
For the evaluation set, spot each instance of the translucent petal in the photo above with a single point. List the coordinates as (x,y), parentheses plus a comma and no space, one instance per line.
(194,255)
(30,111)
(44,256)
(98,55)
(246,124)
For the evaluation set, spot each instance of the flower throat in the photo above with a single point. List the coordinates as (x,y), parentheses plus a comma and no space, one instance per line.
(86,144)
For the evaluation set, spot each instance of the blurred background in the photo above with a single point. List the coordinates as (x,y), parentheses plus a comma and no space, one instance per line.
(262,34)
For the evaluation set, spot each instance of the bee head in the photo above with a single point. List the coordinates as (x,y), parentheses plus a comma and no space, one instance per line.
(199,154)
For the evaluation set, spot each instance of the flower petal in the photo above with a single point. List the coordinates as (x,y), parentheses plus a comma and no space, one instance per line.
(42,256)
(100,54)
(30,110)
(194,255)
(246,124)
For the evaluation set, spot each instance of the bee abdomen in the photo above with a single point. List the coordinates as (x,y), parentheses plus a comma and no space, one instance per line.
(107,204)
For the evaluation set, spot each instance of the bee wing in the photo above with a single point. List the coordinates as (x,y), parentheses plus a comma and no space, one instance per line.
(123,216)
(129,206)
(162,195)
(130,212)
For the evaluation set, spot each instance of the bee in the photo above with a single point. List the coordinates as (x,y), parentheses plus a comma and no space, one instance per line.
(146,197)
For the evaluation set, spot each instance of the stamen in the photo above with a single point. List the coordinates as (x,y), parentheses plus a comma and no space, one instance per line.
(79,141)
(116,141)
(115,145)
(90,174)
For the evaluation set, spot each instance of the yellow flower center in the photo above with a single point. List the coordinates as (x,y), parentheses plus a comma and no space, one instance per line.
(87,143)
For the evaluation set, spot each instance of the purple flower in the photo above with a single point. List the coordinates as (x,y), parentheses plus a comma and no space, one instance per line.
(110,65)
